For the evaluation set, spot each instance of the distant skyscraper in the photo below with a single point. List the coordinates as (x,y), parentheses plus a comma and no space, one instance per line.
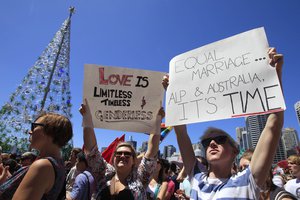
(254,127)
(168,151)
(132,142)
(103,148)
(243,138)
(196,146)
(297,109)
(290,140)
(144,146)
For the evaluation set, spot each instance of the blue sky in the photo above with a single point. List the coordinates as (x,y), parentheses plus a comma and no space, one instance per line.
(146,35)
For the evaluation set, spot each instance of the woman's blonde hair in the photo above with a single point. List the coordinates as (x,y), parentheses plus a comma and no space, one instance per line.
(126,144)
(295,159)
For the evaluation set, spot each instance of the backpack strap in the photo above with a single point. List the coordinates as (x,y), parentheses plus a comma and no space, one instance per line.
(87,177)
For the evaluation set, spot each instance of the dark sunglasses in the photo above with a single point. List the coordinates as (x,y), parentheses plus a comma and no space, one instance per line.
(219,140)
(124,153)
(34,125)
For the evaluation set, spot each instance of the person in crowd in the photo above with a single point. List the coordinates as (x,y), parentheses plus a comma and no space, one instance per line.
(293,185)
(4,174)
(12,164)
(73,172)
(158,185)
(221,150)
(27,158)
(44,179)
(72,159)
(84,185)
(245,159)
(5,156)
(279,177)
(173,174)
(184,190)
(122,180)
(273,192)
(270,190)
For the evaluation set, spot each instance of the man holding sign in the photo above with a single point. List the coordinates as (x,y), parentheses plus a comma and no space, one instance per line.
(221,150)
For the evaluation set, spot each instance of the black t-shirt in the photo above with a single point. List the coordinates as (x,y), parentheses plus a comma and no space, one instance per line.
(122,195)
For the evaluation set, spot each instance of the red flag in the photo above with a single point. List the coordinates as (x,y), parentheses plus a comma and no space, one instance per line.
(108,152)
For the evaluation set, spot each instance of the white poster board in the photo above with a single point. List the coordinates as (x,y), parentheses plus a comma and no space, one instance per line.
(225,79)
(121,98)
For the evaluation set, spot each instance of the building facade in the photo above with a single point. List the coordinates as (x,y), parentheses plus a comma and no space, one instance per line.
(132,142)
(297,109)
(290,140)
(254,127)
(168,151)
(243,138)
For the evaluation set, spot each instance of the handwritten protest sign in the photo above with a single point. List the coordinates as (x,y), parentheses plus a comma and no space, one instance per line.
(228,78)
(123,99)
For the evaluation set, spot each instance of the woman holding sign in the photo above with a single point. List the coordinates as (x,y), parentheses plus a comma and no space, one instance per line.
(122,180)
(221,150)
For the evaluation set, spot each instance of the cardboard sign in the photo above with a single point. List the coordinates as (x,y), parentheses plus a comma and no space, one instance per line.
(123,99)
(225,79)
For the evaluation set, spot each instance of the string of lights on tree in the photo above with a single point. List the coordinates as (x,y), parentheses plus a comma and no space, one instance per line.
(45,88)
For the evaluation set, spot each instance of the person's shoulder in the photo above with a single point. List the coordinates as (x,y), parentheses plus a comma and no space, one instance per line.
(41,165)
(292,181)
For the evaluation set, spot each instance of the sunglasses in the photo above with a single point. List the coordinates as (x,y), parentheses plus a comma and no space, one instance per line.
(34,125)
(123,153)
(219,140)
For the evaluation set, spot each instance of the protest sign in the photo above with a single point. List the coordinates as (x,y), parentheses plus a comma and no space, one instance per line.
(225,79)
(123,99)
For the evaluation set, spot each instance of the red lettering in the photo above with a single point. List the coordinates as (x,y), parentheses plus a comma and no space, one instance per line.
(102,80)
(114,79)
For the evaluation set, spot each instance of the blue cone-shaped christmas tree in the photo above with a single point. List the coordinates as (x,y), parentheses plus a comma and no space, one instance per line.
(45,88)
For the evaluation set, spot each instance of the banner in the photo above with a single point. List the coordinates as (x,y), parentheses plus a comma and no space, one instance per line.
(123,99)
(225,79)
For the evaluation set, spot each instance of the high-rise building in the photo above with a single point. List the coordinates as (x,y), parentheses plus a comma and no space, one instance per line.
(103,148)
(132,142)
(297,109)
(280,152)
(254,127)
(168,151)
(196,146)
(144,146)
(290,140)
(243,138)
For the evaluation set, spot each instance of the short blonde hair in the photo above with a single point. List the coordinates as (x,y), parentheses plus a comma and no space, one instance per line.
(295,159)
(126,144)
(248,154)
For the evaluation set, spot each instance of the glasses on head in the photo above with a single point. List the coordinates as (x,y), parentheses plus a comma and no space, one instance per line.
(127,154)
(34,125)
(219,140)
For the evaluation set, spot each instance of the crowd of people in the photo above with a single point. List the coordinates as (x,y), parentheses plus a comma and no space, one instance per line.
(129,176)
